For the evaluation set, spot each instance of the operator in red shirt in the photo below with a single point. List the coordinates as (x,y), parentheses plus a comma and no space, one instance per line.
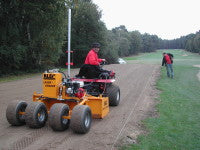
(91,68)
(167,61)
(92,57)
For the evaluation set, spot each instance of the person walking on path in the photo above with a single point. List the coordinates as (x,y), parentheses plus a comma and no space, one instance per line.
(167,61)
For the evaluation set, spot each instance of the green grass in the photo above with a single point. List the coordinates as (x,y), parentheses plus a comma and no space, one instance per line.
(8,78)
(178,124)
(130,58)
(156,57)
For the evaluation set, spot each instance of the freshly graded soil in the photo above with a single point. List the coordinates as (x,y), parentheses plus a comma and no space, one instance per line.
(121,126)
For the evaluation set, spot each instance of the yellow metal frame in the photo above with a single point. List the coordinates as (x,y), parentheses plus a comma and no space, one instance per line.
(99,105)
(51,94)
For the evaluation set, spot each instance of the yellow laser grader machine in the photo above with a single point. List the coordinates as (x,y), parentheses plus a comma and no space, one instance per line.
(66,101)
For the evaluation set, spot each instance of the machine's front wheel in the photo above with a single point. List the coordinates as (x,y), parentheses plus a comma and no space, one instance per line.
(113,92)
(81,119)
(56,120)
(15,112)
(36,115)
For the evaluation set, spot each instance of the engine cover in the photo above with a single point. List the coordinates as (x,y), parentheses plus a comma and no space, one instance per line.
(51,82)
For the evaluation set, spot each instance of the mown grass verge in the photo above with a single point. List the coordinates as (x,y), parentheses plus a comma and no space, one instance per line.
(8,78)
(178,124)
(20,76)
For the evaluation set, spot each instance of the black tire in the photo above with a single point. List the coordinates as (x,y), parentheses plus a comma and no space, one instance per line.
(36,115)
(113,92)
(56,121)
(81,119)
(12,113)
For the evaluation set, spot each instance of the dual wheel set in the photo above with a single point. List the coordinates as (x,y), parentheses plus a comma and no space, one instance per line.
(35,116)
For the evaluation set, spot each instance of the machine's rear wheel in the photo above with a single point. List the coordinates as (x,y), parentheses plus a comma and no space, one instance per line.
(56,121)
(15,113)
(81,119)
(36,115)
(113,92)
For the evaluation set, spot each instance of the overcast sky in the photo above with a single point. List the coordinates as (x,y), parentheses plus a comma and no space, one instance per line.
(168,19)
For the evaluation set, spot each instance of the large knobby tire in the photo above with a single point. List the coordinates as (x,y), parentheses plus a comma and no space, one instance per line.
(113,92)
(81,119)
(56,121)
(36,115)
(13,113)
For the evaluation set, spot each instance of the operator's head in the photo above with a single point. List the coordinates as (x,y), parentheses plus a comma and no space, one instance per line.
(96,47)
(164,54)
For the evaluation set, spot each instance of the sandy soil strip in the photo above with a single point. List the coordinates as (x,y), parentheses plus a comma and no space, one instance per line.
(121,126)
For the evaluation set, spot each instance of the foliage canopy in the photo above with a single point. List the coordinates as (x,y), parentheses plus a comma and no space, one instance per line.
(34,35)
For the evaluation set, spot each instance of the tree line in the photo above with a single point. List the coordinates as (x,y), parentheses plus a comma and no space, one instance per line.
(190,42)
(34,35)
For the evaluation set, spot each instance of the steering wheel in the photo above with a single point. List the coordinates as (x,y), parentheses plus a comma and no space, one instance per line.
(102,64)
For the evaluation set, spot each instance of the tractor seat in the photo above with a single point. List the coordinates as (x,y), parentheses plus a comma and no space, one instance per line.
(89,72)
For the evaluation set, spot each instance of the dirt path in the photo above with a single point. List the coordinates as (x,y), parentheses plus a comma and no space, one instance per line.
(121,126)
